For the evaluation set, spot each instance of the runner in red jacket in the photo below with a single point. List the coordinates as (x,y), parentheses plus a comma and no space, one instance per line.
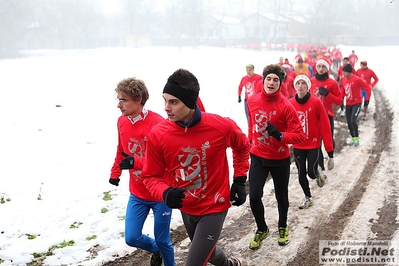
(248,84)
(186,166)
(366,74)
(337,58)
(352,86)
(133,128)
(315,124)
(327,90)
(273,124)
(288,82)
(340,76)
(353,59)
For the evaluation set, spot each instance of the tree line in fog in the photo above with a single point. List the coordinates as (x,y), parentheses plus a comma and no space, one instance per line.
(33,24)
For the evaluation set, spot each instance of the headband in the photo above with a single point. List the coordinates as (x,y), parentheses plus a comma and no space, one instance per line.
(189,98)
(280,76)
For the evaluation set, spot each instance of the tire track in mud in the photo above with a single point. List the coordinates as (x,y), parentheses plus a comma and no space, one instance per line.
(332,229)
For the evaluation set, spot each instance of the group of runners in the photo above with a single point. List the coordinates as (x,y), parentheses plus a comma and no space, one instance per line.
(313,92)
(181,162)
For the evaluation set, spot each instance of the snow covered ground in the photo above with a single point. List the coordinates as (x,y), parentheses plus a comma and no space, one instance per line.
(58,138)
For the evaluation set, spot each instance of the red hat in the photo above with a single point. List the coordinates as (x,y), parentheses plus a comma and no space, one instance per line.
(323,62)
(364,63)
(286,66)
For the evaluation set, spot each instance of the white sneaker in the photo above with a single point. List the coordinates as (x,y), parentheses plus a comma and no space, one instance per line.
(342,113)
(306,203)
(324,175)
(330,163)
(321,178)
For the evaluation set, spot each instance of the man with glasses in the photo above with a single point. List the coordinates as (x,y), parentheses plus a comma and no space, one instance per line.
(133,127)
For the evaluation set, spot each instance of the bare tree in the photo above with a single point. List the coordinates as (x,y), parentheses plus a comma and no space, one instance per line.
(184,19)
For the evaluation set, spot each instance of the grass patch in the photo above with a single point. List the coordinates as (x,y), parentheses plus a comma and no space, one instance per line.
(107,195)
(30,237)
(4,200)
(75,225)
(104,210)
(39,257)
(91,237)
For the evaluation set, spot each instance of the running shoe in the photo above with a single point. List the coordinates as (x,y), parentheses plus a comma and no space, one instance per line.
(352,142)
(306,203)
(283,236)
(356,143)
(324,173)
(320,179)
(257,239)
(156,259)
(330,163)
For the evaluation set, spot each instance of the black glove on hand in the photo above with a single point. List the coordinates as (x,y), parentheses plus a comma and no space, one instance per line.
(330,154)
(173,197)
(273,131)
(127,163)
(238,194)
(323,91)
(114,181)
(239,99)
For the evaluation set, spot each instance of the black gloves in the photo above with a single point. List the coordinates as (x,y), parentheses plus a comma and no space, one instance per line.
(323,91)
(237,191)
(330,154)
(239,99)
(127,163)
(173,197)
(114,181)
(273,131)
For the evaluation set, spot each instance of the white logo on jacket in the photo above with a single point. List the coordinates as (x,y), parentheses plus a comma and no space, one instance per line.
(262,118)
(137,148)
(192,163)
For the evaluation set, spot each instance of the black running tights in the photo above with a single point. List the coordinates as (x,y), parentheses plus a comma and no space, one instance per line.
(257,179)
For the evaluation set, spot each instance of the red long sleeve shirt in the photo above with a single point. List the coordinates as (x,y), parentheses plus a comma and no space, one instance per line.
(195,159)
(315,124)
(289,82)
(333,97)
(368,74)
(132,139)
(352,87)
(249,84)
(353,59)
(276,109)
